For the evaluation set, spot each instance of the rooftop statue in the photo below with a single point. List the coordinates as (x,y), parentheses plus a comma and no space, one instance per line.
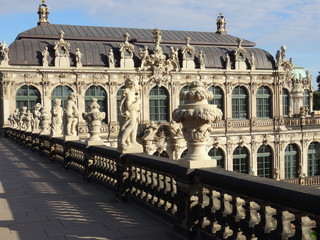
(130,107)
(45,55)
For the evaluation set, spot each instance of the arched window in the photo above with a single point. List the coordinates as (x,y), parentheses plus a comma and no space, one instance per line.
(119,95)
(159,104)
(264,103)
(217,153)
(185,152)
(185,88)
(285,102)
(306,99)
(163,154)
(61,92)
(239,103)
(218,98)
(101,95)
(264,161)
(313,161)
(291,159)
(241,160)
(27,96)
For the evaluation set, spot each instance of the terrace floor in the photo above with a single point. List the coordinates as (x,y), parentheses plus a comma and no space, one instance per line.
(40,201)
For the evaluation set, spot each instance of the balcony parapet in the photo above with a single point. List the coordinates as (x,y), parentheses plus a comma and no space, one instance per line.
(207,203)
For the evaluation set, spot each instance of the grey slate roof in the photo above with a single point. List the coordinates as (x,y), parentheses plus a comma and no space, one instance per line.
(94,43)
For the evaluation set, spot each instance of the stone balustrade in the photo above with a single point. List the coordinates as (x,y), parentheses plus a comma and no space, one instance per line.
(207,203)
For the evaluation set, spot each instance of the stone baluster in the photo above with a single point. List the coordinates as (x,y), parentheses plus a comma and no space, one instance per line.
(288,229)
(271,222)
(306,226)
(227,205)
(241,212)
(216,203)
(255,217)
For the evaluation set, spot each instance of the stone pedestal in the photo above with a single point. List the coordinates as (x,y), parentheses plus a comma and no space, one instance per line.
(71,138)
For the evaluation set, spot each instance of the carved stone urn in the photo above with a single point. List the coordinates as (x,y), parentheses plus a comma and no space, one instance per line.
(197,116)
(93,119)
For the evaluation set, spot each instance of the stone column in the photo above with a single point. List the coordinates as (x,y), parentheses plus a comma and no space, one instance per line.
(196,117)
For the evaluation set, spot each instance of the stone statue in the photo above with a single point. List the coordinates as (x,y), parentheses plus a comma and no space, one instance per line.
(111,58)
(4,53)
(144,54)
(130,107)
(62,33)
(16,117)
(174,54)
(11,120)
(252,61)
(175,129)
(93,119)
(56,118)
(45,55)
(44,122)
(22,118)
(228,63)
(28,121)
(79,56)
(71,115)
(36,117)
(201,60)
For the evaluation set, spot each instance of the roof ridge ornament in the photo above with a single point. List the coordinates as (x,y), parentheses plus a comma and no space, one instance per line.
(43,12)
(221,25)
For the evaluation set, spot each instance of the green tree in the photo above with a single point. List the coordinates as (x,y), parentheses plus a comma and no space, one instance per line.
(318,82)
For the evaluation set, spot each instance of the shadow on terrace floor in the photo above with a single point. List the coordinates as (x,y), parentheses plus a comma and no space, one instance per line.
(40,201)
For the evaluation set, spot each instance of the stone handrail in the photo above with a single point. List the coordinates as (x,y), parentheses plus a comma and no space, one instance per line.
(207,203)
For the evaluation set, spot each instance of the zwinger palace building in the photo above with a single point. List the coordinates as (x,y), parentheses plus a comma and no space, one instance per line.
(268,127)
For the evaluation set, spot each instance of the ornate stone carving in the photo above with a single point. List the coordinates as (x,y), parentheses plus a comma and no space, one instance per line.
(44,122)
(71,117)
(56,118)
(175,129)
(126,50)
(36,114)
(240,56)
(196,117)
(130,107)
(79,57)
(62,52)
(150,131)
(45,56)
(221,24)
(188,53)
(4,54)
(93,119)
(111,58)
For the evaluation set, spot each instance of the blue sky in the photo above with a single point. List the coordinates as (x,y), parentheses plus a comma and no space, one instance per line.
(268,23)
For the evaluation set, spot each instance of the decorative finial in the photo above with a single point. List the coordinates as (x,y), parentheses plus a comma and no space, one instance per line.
(43,12)
(221,24)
